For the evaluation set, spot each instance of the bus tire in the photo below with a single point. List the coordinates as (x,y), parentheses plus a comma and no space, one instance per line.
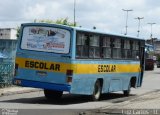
(52,94)
(127,92)
(97,91)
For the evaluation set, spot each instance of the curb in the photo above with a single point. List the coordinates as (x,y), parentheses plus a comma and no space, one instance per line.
(17,90)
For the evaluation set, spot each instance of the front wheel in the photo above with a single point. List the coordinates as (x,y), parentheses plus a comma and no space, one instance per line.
(97,91)
(52,95)
(127,92)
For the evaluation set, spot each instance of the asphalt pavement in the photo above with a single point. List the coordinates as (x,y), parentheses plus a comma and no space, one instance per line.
(16,90)
(147,103)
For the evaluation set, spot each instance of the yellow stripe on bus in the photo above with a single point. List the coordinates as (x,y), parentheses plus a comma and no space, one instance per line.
(77,68)
(43,65)
(107,68)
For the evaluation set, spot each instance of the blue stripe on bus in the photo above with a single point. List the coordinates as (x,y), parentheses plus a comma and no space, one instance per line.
(107,61)
(109,74)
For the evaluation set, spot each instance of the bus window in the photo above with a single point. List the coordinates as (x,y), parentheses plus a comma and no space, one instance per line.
(127,49)
(94,49)
(82,45)
(117,48)
(106,47)
(135,48)
(46,39)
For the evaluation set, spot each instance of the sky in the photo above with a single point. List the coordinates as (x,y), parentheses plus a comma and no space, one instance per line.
(105,15)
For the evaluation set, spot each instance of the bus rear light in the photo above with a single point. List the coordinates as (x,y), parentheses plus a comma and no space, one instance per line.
(16,66)
(69,72)
(17,82)
(16,69)
(69,79)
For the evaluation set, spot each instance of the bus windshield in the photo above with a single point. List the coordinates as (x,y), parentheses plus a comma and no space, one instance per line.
(46,39)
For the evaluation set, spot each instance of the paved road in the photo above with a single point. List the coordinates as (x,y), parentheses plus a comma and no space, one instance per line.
(150,81)
(77,103)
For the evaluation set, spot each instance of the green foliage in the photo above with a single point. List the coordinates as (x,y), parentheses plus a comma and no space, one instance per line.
(18,32)
(63,21)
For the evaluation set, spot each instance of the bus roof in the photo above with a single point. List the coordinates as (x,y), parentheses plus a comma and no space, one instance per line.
(84,29)
(105,33)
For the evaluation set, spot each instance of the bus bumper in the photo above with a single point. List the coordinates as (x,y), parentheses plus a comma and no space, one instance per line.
(43,85)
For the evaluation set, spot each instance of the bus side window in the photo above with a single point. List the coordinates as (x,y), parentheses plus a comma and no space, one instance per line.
(117,48)
(106,47)
(127,49)
(82,45)
(94,46)
(135,48)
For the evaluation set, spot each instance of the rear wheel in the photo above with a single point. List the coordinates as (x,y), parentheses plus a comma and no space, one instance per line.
(52,95)
(127,92)
(97,91)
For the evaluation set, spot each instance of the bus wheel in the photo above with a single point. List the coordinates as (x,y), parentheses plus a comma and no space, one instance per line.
(127,92)
(52,95)
(97,91)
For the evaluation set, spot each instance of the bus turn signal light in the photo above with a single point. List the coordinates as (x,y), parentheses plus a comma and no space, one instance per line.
(69,74)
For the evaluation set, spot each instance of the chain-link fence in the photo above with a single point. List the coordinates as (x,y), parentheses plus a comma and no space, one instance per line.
(7,60)
(6,74)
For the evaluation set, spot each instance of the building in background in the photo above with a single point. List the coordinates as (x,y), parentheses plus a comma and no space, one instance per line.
(157,46)
(8,33)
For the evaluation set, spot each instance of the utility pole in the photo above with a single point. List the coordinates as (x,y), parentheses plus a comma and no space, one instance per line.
(138,31)
(151,31)
(127,18)
(74,13)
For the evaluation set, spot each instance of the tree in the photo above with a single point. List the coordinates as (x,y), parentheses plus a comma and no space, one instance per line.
(63,21)
(18,32)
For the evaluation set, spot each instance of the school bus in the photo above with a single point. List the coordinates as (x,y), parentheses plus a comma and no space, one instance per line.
(60,58)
